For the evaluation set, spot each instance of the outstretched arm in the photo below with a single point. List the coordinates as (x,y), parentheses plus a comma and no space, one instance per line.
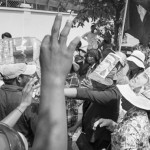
(56,60)
(70,92)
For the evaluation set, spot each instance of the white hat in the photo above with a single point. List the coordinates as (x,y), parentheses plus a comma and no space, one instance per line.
(140,99)
(84,45)
(138,58)
(11,71)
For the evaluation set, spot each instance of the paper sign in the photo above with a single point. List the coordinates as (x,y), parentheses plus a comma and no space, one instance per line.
(107,65)
(103,70)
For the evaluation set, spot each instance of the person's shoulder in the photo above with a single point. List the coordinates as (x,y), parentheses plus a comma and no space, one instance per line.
(114,89)
(137,116)
(113,93)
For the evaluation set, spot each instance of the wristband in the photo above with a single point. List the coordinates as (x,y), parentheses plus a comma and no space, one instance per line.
(19,110)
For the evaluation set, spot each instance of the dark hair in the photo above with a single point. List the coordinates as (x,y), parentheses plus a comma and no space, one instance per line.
(78,46)
(9,81)
(6,34)
(95,53)
(148,113)
(93,26)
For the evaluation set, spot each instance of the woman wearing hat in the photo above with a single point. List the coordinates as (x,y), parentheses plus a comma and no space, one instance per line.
(133,132)
(136,63)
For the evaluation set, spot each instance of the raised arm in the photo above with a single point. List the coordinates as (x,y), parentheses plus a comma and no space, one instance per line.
(14,116)
(56,61)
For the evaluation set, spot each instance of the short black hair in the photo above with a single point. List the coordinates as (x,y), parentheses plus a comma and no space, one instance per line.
(93,25)
(6,34)
(9,81)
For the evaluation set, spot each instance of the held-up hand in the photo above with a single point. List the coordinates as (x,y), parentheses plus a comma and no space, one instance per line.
(28,91)
(108,123)
(56,57)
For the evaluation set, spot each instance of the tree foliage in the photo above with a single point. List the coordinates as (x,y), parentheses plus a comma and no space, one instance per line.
(100,11)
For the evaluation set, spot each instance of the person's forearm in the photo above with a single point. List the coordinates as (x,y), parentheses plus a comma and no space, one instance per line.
(70,92)
(52,125)
(14,116)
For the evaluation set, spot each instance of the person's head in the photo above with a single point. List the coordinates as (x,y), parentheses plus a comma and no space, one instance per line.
(6,35)
(109,75)
(82,48)
(93,27)
(138,58)
(93,57)
(17,74)
(140,80)
(134,69)
(137,92)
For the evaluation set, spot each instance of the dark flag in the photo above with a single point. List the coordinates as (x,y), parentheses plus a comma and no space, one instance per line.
(138,20)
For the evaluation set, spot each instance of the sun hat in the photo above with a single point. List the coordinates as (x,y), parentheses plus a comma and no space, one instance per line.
(138,58)
(11,71)
(139,99)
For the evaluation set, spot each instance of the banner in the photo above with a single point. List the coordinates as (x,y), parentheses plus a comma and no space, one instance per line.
(138,20)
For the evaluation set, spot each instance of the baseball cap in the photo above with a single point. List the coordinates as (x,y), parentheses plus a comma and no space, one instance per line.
(11,71)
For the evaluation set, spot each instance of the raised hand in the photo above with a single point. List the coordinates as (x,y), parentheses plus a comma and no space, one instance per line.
(28,91)
(108,123)
(56,58)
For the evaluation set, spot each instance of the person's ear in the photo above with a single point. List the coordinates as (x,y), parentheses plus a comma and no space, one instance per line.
(19,79)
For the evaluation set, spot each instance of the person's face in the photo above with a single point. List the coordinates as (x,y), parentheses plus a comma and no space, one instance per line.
(24,79)
(91,59)
(139,80)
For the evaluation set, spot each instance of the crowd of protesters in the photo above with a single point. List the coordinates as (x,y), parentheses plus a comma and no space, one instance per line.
(115,108)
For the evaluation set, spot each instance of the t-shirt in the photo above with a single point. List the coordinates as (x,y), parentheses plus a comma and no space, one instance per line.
(10,98)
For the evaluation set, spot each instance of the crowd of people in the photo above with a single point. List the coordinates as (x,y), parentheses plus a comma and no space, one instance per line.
(42,113)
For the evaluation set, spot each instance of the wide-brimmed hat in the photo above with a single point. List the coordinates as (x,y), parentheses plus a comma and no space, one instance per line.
(140,99)
(138,58)
(11,71)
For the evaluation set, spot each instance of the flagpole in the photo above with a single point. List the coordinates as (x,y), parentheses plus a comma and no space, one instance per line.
(124,19)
